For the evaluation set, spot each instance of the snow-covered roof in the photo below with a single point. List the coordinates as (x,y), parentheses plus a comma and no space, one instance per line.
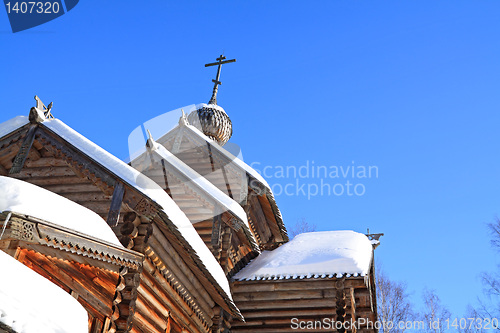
(29,303)
(28,199)
(313,255)
(202,183)
(12,124)
(140,182)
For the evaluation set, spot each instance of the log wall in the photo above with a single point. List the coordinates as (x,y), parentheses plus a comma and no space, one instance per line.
(272,305)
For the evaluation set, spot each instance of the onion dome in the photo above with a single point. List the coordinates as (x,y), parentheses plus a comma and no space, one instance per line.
(213,121)
(210,118)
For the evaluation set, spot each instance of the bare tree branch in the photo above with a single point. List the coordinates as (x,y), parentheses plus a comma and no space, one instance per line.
(392,304)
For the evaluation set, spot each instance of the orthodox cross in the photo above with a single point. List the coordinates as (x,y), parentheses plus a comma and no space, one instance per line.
(220,61)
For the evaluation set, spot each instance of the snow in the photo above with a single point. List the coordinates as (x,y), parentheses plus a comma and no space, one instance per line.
(25,198)
(200,181)
(29,303)
(312,255)
(211,106)
(12,124)
(149,188)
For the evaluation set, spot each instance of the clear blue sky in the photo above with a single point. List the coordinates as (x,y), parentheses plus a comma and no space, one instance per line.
(411,87)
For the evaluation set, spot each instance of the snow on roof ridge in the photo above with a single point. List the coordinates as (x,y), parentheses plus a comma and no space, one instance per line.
(12,124)
(313,255)
(23,302)
(28,199)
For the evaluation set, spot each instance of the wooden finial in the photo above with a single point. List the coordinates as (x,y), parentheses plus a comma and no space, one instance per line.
(40,112)
(183,121)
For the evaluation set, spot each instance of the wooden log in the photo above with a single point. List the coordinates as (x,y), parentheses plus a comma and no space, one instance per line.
(97,196)
(129,229)
(116,204)
(270,216)
(45,181)
(284,295)
(88,291)
(126,242)
(314,312)
(259,217)
(294,284)
(74,188)
(149,305)
(174,262)
(34,154)
(46,172)
(3,171)
(44,162)
(179,309)
(285,304)
(132,217)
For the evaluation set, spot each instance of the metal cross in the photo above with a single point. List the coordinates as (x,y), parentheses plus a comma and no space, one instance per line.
(220,61)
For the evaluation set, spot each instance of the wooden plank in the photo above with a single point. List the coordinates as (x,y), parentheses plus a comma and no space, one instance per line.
(116,204)
(184,276)
(48,171)
(46,181)
(22,154)
(257,314)
(265,205)
(74,280)
(164,248)
(9,152)
(155,321)
(33,154)
(78,188)
(45,162)
(216,236)
(295,284)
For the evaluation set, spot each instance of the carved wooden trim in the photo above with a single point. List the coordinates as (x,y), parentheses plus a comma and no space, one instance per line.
(45,233)
(22,154)
(340,309)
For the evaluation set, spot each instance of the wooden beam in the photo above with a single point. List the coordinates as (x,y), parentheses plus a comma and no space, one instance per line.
(116,204)
(22,154)
(353,308)
(216,236)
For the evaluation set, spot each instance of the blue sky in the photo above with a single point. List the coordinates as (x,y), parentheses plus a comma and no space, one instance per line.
(410,87)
